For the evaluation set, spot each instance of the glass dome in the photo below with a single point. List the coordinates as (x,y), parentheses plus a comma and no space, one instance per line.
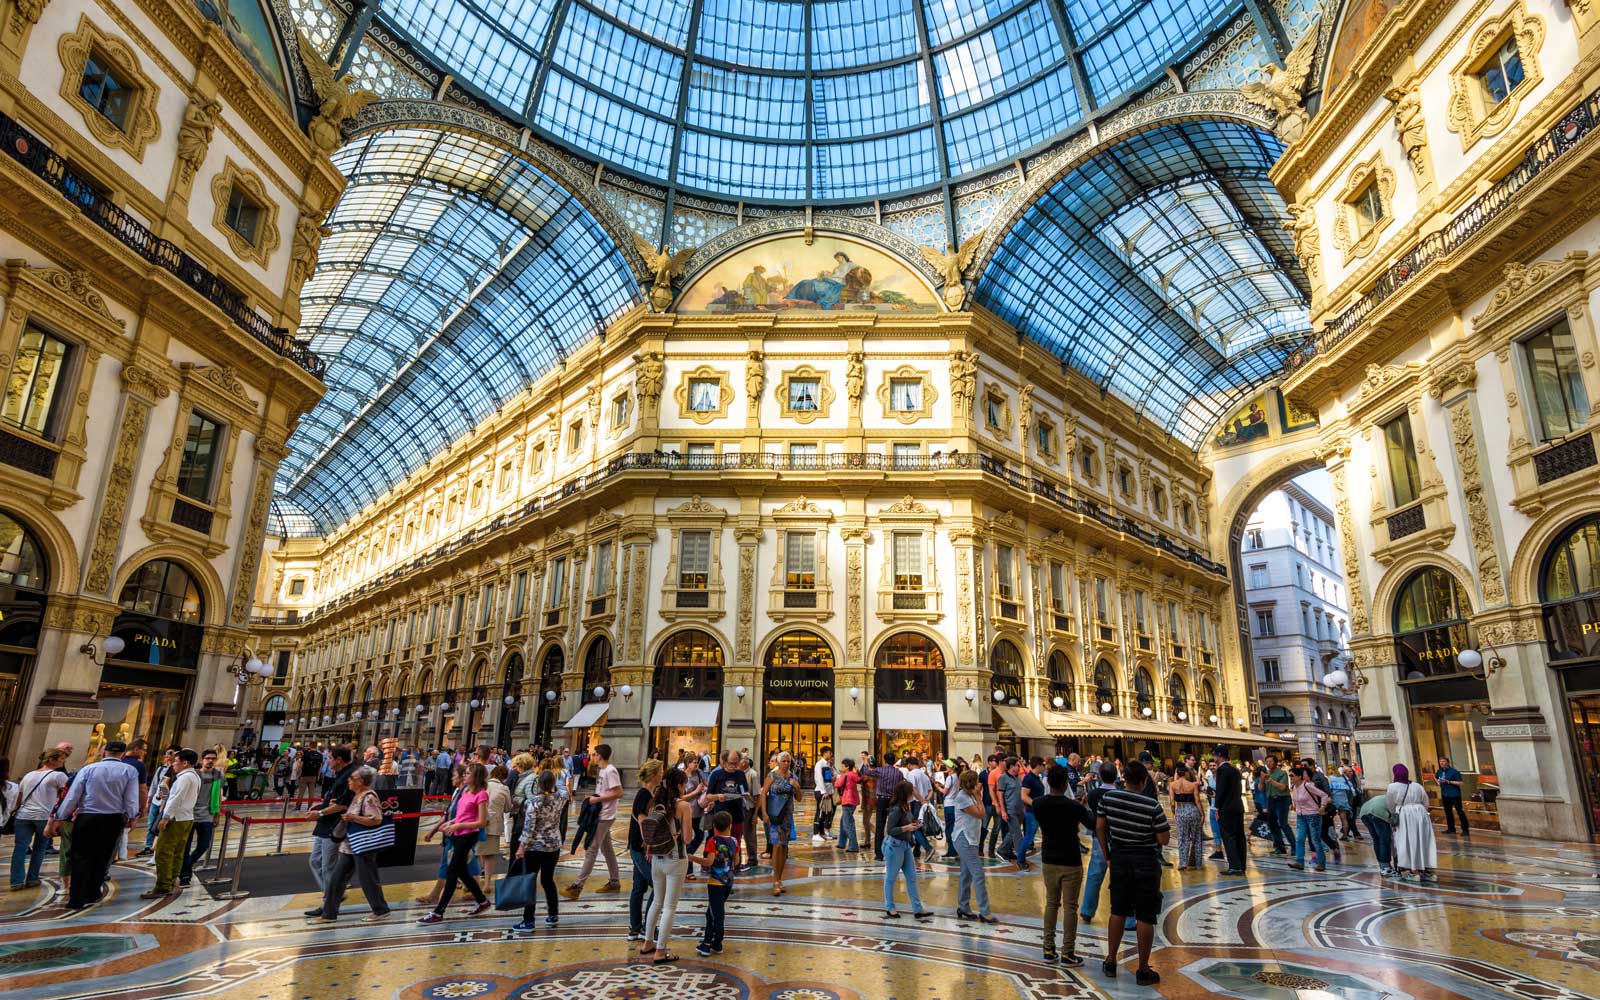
(803,100)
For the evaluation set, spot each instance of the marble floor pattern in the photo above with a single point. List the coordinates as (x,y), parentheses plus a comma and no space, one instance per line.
(1509,918)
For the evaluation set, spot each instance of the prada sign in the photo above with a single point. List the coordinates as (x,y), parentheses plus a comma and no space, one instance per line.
(1431,652)
(158,641)
(1572,630)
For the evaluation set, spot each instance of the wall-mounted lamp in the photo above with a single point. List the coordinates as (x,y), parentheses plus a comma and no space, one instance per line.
(1105,707)
(394,712)
(599,692)
(510,699)
(444,706)
(1058,701)
(972,695)
(327,720)
(421,709)
(1146,712)
(1182,716)
(1238,722)
(110,646)
(627,692)
(1213,718)
(855,694)
(739,691)
(550,696)
(358,714)
(475,704)
(999,696)
(1471,660)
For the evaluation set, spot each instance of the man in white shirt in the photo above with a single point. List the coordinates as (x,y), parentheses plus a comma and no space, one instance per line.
(607,795)
(177,819)
(822,787)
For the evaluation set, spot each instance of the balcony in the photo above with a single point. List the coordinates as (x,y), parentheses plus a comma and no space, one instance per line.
(909,604)
(45,164)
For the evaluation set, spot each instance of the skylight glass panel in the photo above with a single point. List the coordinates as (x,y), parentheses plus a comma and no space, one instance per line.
(855,169)
(665,22)
(757,105)
(1155,33)
(997,60)
(735,167)
(861,104)
(602,127)
(491,44)
(767,35)
(950,19)
(1001,130)
(847,33)
(623,65)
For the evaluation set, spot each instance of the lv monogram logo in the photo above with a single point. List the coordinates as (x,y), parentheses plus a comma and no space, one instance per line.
(910,684)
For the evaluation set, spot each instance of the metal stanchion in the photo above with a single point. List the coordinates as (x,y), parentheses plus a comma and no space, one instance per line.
(281,828)
(220,847)
(238,863)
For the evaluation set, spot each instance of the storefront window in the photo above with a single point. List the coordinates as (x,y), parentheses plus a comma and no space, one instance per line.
(1105,688)
(910,688)
(555,661)
(1570,590)
(23,582)
(797,689)
(1060,682)
(144,691)
(1144,691)
(687,693)
(597,670)
(1455,731)
(1006,666)
(1179,693)
(1430,624)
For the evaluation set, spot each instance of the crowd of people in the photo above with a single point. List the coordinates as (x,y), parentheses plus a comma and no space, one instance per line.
(701,819)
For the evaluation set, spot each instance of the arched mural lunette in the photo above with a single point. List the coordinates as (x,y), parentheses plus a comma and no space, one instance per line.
(1201,105)
(383,116)
(888,241)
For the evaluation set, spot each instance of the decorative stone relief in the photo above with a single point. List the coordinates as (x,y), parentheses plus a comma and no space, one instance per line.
(744,640)
(309,233)
(140,124)
(854,583)
(1302,225)
(641,566)
(1413,130)
(76,284)
(1280,92)
(1469,113)
(1359,624)
(964,618)
(114,508)
(194,134)
(650,375)
(1479,520)
(963,381)
(250,555)
(338,99)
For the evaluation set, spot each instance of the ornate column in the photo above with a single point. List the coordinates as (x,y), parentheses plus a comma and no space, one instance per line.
(739,714)
(971,728)
(851,722)
(625,727)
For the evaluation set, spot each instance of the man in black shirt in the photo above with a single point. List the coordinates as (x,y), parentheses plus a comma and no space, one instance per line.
(1230,810)
(1059,817)
(725,791)
(1131,829)
(324,849)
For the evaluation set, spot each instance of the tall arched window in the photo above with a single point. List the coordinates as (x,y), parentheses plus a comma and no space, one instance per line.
(909,666)
(23,582)
(163,589)
(1060,681)
(1208,704)
(597,670)
(1179,693)
(1430,624)
(1569,587)
(689,665)
(1005,663)
(1105,687)
(22,563)
(1144,691)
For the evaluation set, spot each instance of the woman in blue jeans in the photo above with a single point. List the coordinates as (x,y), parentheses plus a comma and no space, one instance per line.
(900,825)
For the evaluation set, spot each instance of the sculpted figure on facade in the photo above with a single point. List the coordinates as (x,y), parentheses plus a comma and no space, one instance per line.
(194,135)
(662,266)
(952,265)
(309,233)
(1302,225)
(963,380)
(855,379)
(1280,93)
(650,376)
(755,375)
(1413,131)
(339,99)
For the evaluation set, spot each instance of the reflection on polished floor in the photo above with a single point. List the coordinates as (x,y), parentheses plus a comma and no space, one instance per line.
(1509,918)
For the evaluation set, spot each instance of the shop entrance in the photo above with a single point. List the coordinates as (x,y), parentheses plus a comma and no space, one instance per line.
(797,700)
(144,690)
(909,687)
(802,738)
(1585,710)
(686,691)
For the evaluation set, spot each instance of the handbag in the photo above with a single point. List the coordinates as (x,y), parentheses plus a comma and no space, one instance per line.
(930,822)
(366,839)
(516,888)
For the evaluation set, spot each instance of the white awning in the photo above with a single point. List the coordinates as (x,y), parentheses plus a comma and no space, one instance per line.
(1021,722)
(927,716)
(587,716)
(688,714)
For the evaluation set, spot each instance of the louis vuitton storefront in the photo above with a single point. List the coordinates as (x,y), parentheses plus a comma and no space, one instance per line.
(145,689)
(797,698)
(686,692)
(909,688)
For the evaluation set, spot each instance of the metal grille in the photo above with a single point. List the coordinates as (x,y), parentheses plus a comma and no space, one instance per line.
(800,598)
(1564,459)
(187,515)
(694,599)
(597,606)
(29,456)
(910,602)
(1407,522)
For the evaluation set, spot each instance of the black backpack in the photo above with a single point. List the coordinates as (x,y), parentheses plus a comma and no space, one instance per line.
(655,829)
(310,764)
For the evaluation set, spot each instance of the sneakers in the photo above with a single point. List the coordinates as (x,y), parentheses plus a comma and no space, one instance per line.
(704,951)
(635,935)
(1071,960)
(1109,967)
(1050,953)
(1214,856)
(150,850)
(1147,977)
(163,893)
(551,921)
(716,949)
(480,908)
(430,918)
(524,927)
(1297,866)
(376,916)
(611,886)
(1322,868)
(817,840)
(573,891)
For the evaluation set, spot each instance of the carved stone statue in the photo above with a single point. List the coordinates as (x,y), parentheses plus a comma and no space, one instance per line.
(1307,241)
(1413,131)
(308,235)
(1280,93)
(855,378)
(649,377)
(340,99)
(952,265)
(963,380)
(194,135)
(755,375)
(663,265)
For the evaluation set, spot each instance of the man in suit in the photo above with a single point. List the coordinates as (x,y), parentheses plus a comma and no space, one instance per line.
(1230,810)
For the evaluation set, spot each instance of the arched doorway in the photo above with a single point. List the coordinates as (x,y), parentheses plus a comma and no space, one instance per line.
(686,695)
(587,722)
(1448,704)
(797,698)
(1061,698)
(24,584)
(145,689)
(549,696)
(909,688)
(1569,592)
(510,701)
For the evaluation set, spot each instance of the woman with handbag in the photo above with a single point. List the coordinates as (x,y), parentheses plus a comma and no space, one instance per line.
(777,809)
(472,815)
(360,844)
(540,845)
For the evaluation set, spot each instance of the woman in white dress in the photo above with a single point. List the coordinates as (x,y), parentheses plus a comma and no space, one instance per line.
(1415,853)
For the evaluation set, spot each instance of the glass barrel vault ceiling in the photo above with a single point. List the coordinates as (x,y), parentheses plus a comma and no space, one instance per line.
(804,100)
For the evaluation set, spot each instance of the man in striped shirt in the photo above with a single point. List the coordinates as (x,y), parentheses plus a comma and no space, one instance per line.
(1132,829)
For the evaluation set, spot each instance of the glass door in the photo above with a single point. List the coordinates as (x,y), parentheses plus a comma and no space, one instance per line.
(804,739)
(1586,746)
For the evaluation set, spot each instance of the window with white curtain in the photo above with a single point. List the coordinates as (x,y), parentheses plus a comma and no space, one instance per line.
(694,560)
(907,560)
(800,560)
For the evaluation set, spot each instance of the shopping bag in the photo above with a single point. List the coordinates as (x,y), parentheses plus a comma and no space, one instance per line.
(366,839)
(516,888)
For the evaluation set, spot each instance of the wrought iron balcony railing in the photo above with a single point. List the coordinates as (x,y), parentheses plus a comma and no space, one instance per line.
(1545,152)
(47,165)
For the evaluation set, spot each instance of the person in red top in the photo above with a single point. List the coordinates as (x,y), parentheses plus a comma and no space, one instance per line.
(849,785)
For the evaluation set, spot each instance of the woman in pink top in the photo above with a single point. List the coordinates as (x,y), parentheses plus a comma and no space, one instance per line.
(1308,801)
(472,815)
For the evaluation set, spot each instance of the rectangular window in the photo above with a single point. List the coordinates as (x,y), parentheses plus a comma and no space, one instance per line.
(1041,434)
(200,446)
(701,455)
(411,628)
(800,560)
(621,409)
(433,622)
(905,395)
(538,459)
(994,408)
(458,610)
(704,394)
(1205,630)
(575,436)
(803,456)
(907,456)
(33,392)
(244,214)
(1175,622)
(1369,207)
(1561,402)
(694,560)
(1266,627)
(1401,450)
(1140,623)
(505,477)
(105,91)
(1258,576)
(803,393)
(1102,600)
(601,581)
(486,605)
(1269,670)
(1502,73)
(519,596)
(1058,588)
(907,560)
(558,583)
(1005,572)
(297,586)
(1252,538)
(388,636)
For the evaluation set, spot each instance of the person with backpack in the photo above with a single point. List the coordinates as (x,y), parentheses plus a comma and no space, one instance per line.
(310,773)
(540,844)
(664,829)
(822,790)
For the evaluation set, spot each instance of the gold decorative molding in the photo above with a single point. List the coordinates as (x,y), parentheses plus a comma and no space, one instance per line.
(114,499)
(1347,235)
(142,126)
(1413,131)
(1302,225)
(704,373)
(75,283)
(1480,520)
(1469,112)
(267,238)
(963,384)
(824,399)
(309,232)
(907,373)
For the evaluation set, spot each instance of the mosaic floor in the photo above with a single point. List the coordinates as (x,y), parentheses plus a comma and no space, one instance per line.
(1508,918)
